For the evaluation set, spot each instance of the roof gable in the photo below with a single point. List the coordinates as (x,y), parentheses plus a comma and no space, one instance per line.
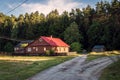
(55,41)
(39,42)
(48,41)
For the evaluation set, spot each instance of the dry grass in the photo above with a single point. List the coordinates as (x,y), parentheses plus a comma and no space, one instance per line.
(95,55)
(106,53)
(21,58)
(21,68)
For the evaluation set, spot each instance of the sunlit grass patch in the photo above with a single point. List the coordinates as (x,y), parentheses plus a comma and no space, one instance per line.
(114,52)
(92,57)
(24,58)
(14,69)
(95,55)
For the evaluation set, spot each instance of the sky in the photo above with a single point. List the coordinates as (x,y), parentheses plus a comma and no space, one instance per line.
(43,6)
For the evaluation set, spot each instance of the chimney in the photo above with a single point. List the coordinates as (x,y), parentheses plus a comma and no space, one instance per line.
(51,36)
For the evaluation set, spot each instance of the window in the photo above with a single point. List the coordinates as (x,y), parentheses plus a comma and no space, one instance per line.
(29,49)
(53,48)
(59,49)
(15,49)
(40,40)
(64,49)
(44,48)
(36,48)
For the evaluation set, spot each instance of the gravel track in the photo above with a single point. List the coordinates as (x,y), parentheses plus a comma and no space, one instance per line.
(75,69)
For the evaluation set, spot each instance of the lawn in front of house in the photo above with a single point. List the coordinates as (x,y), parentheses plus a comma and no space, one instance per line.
(21,68)
(92,57)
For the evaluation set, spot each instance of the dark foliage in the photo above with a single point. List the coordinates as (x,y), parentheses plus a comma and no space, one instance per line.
(95,26)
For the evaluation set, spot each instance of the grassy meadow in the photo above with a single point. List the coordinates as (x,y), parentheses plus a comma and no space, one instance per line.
(21,68)
(112,72)
(92,57)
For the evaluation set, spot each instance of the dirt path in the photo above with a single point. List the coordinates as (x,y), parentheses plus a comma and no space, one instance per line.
(75,69)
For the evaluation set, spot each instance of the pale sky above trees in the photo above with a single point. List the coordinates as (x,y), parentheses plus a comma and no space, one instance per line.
(43,6)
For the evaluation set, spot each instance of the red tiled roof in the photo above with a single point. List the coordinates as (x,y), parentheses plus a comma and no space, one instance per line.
(54,41)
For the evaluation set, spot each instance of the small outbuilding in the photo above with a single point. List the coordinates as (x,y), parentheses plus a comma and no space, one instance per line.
(98,48)
(20,48)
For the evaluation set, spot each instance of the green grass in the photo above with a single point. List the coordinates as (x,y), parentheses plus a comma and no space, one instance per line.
(112,72)
(97,55)
(92,57)
(14,69)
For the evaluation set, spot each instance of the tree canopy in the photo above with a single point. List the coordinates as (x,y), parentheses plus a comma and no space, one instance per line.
(89,26)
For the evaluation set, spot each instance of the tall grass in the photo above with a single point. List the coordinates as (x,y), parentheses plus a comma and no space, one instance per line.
(112,72)
(12,69)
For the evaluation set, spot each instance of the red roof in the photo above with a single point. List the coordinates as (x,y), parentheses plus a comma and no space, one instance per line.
(55,41)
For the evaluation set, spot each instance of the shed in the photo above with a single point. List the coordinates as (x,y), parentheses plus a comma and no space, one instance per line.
(19,48)
(98,48)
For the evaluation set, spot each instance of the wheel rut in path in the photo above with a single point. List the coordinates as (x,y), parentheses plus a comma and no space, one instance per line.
(75,69)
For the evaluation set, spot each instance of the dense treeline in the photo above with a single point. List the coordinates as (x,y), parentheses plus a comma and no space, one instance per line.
(88,26)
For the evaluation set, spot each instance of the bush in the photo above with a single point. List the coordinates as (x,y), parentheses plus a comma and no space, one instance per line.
(47,52)
(9,47)
(76,46)
(50,52)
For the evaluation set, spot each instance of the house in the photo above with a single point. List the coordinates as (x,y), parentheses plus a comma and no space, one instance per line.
(43,44)
(19,48)
(98,48)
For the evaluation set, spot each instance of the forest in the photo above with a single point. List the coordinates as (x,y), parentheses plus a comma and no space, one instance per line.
(88,27)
